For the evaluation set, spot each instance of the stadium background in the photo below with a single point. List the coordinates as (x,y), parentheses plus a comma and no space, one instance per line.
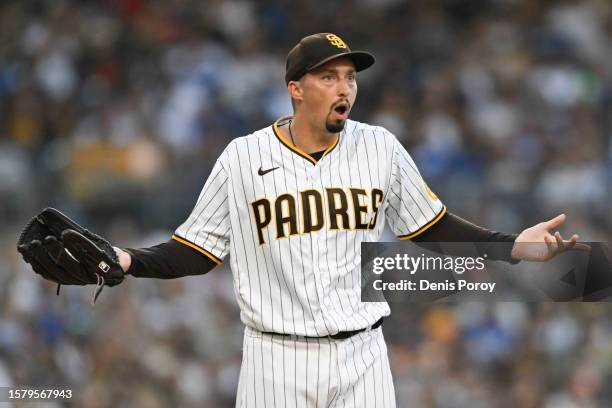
(115,110)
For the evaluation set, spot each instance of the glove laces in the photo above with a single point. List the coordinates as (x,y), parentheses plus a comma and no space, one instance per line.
(98,289)
(95,293)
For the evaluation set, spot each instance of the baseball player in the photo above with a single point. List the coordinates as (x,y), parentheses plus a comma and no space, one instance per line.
(292,203)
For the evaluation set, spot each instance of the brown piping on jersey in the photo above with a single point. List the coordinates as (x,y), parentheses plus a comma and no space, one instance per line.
(197,248)
(424,227)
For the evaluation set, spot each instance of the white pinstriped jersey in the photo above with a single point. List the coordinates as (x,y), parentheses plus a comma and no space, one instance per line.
(294,225)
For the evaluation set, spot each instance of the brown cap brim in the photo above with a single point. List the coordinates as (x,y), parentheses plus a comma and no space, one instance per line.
(361,59)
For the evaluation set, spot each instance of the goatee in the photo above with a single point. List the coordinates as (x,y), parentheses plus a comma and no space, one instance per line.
(335,127)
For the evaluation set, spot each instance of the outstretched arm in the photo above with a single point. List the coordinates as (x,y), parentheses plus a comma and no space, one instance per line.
(168,260)
(452,228)
(533,244)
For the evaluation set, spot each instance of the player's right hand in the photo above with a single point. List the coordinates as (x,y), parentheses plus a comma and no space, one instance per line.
(125,259)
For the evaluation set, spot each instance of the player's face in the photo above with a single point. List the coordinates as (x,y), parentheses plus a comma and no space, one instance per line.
(328,93)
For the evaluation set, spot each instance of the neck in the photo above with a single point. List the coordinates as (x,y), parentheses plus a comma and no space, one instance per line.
(310,138)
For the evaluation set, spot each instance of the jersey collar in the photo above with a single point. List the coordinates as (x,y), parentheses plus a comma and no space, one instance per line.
(296,149)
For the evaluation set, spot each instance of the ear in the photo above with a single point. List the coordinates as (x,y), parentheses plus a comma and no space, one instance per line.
(295,90)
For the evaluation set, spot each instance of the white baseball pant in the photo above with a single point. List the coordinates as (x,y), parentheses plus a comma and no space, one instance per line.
(284,372)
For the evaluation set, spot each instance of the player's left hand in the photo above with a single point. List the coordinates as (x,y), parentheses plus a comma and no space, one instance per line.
(538,244)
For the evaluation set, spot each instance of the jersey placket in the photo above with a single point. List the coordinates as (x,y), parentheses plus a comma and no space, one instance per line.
(300,168)
(314,182)
(317,181)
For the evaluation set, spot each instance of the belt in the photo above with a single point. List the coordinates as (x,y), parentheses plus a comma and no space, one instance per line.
(338,336)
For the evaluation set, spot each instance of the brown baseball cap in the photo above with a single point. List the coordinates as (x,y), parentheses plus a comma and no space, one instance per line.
(317,49)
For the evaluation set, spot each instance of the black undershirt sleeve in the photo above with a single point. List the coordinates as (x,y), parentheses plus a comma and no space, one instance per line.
(168,260)
(451,228)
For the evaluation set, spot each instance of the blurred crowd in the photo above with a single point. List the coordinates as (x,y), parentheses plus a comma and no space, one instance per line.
(115,110)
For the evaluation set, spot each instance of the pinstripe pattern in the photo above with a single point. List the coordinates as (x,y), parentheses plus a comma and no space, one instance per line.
(308,283)
(409,205)
(351,373)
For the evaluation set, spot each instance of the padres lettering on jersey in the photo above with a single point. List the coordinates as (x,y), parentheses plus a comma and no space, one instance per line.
(294,225)
(312,219)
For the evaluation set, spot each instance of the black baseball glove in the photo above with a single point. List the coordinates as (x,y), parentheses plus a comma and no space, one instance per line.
(62,251)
